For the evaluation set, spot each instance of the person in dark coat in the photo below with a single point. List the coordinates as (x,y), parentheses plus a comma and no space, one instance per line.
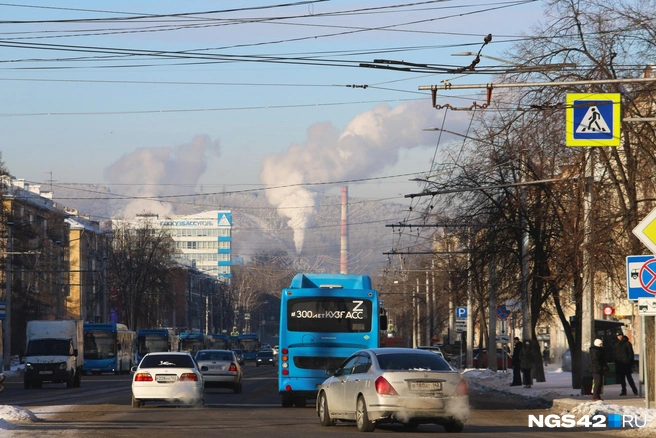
(598,367)
(623,356)
(516,363)
(527,359)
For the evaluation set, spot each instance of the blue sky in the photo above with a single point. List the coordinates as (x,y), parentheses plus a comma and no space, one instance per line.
(187,102)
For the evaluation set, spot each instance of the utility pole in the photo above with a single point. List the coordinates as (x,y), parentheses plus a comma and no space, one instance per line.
(105,317)
(58,288)
(587,299)
(6,341)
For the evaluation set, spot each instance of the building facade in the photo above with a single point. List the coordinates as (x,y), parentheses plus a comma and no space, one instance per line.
(204,241)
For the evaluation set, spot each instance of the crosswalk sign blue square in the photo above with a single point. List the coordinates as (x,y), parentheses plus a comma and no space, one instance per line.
(593,119)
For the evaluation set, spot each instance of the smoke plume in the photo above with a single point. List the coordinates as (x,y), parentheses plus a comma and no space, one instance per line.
(157,171)
(369,143)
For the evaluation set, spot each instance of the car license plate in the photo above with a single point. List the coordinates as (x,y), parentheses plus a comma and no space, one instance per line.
(425,386)
(45,372)
(216,367)
(166,378)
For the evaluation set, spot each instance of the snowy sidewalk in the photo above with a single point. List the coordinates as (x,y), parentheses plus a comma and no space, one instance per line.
(557,391)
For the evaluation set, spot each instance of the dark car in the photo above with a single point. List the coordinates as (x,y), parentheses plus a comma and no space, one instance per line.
(240,356)
(265,357)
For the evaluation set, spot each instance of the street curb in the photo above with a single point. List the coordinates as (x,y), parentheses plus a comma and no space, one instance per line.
(546,403)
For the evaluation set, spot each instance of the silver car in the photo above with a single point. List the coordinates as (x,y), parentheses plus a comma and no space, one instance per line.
(220,368)
(394,385)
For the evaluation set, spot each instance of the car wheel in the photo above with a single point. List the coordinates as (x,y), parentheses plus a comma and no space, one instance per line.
(27,384)
(70,383)
(362,417)
(454,426)
(237,388)
(324,413)
(135,403)
(300,402)
(37,385)
(257,364)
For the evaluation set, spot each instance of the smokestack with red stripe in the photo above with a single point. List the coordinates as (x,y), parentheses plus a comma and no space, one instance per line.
(343,260)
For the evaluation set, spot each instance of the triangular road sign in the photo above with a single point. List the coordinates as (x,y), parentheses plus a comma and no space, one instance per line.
(592,121)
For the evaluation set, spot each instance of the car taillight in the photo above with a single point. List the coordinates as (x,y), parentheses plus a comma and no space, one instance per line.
(143,377)
(188,377)
(233,367)
(462,388)
(384,387)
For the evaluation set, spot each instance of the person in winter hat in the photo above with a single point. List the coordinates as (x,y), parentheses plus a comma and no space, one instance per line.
(598,367)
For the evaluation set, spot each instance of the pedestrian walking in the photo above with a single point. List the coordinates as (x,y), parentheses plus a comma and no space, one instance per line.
(624,357)
(598,367)
(516,363)
(545,355)
(527,359)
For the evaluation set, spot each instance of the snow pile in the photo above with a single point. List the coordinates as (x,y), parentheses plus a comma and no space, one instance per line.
(14,414)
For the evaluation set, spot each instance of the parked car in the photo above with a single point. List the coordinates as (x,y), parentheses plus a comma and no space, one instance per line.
(480,360)
(433,348)
(167,376)
(394,385)
(566,361)
(240,356)
(220,368)
(265,357)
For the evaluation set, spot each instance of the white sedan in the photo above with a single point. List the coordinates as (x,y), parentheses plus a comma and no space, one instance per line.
(220,368)
(167,376)
(394,385)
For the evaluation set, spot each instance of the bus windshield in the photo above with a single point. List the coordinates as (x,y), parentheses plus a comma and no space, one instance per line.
(333,315)
(152,343)
(99,345)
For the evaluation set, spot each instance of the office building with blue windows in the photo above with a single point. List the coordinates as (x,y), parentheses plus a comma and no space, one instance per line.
(204,241)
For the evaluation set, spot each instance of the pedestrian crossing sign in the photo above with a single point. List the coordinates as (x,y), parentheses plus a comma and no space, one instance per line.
(593,119)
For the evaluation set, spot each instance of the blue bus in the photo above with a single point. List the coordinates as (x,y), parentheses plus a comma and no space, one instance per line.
(194,341)
(108,348)
(159,339)
(219,341)
(249,343)
(233,343)
(324,318)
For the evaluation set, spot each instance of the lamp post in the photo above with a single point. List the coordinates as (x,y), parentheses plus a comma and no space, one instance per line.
(6,341)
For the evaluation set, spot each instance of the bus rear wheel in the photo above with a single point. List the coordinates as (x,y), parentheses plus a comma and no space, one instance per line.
(300,402)
(287,402)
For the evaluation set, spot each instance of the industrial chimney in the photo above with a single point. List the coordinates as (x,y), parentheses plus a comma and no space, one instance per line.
(343,259)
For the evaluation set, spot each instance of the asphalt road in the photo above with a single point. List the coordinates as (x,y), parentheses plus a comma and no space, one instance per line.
(102,408)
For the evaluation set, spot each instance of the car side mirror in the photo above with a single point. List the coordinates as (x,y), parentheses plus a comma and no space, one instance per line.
(133,369)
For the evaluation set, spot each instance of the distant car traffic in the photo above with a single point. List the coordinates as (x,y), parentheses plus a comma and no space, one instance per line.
(265,357)
(394,385)
(220,368)
(240,356)
(167,376)
(275,349)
